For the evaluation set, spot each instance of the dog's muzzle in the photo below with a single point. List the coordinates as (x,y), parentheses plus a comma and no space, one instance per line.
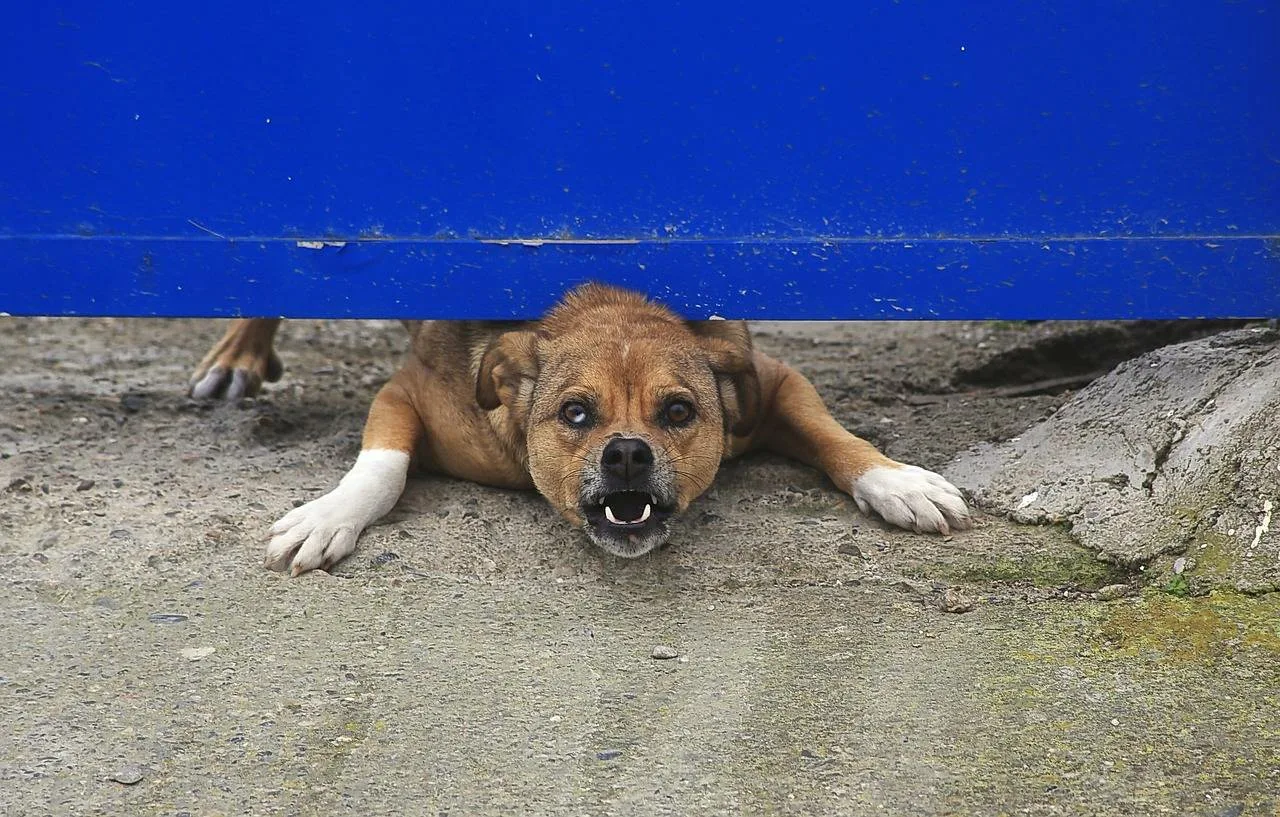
(627,498)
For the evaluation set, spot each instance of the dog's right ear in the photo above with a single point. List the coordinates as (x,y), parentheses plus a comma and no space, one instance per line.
(507,371)
(728,344)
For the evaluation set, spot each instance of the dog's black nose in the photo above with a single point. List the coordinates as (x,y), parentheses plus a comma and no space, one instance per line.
(627,458)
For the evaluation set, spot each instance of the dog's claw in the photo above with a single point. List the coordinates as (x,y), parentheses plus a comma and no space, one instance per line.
(242,385)
(207,387)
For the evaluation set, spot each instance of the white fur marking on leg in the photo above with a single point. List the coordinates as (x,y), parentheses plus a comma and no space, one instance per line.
(324,531)
(911,497)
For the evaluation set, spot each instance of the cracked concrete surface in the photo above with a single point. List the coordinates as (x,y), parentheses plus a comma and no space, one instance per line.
(1175,452)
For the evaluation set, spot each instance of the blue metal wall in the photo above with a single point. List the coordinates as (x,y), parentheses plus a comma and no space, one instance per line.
(829,160)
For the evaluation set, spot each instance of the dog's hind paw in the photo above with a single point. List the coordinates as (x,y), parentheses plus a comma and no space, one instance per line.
(911,497)
(236,383)
(238,365)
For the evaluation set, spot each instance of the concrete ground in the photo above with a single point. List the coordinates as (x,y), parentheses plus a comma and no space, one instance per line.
(476,656)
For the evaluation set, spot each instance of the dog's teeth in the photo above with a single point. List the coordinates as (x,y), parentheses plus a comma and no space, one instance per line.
(608,514)
(644,515)
(653,500)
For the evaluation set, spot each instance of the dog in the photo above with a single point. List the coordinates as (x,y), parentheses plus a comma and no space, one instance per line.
(618,411)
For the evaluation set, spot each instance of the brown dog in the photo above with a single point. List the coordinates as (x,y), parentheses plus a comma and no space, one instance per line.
(615,409)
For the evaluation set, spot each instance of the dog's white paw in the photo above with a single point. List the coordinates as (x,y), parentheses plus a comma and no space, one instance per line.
(912,498)
(317,535)
(324,531)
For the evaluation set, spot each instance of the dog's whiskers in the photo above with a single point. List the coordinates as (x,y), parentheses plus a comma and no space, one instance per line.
(702,486)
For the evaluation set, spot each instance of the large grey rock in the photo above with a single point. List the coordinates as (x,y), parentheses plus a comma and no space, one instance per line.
(1177,451)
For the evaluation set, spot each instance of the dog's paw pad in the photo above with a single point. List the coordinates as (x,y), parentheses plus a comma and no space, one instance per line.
(912,498)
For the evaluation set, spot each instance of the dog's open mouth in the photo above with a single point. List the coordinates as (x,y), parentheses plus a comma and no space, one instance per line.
(627,523)
(628,511)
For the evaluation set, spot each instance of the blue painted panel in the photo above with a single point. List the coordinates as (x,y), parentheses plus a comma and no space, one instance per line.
(781,279)
(1132,134)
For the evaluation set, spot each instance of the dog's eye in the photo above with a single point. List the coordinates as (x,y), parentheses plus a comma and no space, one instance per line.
(575,414)
(678,413)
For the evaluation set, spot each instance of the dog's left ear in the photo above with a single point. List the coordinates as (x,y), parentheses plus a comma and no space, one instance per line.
(728,345)
(507,371)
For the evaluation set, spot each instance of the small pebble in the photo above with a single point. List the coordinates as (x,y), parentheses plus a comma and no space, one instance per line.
(84,485)
(1179,565)
(132,403)
(609,754)
(129,775)
(197,653)
(953,601)
(166,618)
(850,550)
(663,652)
(385,557)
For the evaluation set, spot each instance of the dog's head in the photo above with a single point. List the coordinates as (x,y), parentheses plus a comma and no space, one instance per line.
(625,409)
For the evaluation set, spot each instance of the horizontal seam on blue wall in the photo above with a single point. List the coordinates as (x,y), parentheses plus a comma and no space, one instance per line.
(318,242)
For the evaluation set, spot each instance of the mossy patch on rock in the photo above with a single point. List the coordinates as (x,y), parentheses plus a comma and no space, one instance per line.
(1217,561)
(1204,629)
(1076,568)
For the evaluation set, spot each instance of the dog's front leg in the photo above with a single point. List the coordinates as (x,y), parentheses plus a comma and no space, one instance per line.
(797,424)
(324,531)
